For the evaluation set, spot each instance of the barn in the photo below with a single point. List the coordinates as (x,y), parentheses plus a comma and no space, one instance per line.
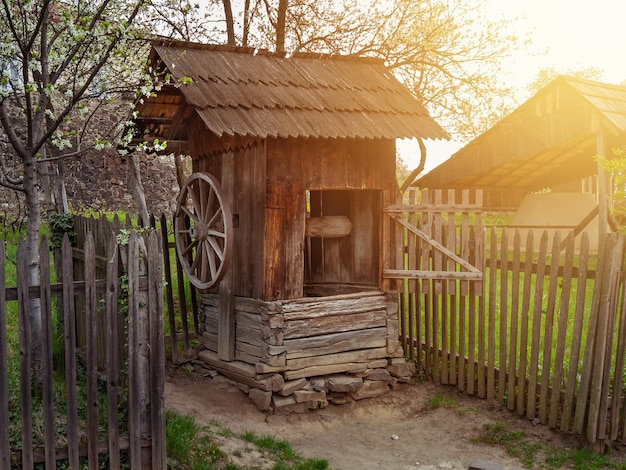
(281,224)
(539,161)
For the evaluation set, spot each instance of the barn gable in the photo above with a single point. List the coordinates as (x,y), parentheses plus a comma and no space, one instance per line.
(549,141)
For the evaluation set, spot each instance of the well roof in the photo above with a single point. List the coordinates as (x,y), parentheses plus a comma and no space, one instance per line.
(548,141)
(247,92)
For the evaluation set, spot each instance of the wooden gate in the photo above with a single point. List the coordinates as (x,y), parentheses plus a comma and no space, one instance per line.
(438,271)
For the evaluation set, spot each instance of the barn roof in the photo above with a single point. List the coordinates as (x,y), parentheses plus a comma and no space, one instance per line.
(548,141)
(247,92)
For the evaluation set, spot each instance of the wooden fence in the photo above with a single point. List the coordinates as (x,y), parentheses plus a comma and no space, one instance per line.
(543,332)
(181,301)
(111,400)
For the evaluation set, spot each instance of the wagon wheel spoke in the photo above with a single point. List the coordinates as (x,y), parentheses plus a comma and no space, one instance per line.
(210,204)
(203,230)
(211,259)
(196,200)
(190,247)
(190,214)
(217,249)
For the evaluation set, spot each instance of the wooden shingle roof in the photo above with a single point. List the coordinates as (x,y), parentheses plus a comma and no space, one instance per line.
(549,140)
(245,92)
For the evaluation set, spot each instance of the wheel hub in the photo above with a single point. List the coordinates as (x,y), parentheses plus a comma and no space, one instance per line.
(199,231)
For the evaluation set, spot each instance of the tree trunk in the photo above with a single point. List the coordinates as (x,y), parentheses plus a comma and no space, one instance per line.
(281,25)
(180,174)
(33,224)
(230,23)
(246,24)
(135,181)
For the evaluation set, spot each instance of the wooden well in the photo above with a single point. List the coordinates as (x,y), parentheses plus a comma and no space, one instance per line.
(304,152)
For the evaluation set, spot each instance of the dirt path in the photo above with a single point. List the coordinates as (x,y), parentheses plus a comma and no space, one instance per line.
(396,431)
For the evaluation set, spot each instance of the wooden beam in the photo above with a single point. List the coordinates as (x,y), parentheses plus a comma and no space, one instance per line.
(603,196)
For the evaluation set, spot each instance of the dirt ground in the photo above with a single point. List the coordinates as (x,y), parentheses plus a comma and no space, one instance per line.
(396,431)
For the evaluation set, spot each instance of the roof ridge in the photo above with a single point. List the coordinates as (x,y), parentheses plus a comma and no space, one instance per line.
(586,81)
(168,42)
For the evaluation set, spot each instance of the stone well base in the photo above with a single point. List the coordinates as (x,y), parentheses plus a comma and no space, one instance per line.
(274,394)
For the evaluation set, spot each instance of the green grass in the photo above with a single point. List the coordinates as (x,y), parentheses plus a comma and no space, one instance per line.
(192,447)
(537,454)
(443,400)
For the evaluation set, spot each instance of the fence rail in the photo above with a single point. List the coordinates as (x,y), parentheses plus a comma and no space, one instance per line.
(544,331)
(125,377)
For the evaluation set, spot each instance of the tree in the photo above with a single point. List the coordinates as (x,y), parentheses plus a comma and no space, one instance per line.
(445,52)
(60,62)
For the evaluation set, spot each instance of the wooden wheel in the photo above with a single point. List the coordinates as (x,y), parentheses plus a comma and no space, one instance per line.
(203,230)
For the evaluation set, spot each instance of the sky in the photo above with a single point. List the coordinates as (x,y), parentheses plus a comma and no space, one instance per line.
(567,35)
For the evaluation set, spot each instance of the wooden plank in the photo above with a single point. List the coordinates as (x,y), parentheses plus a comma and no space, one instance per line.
(256,321)
(463,290)
(465,237)
(209,340)
(450,300)
(314,371)
(436,245)
(563,320)
(599,391)
(536,329)
(236,367)
(407,312)
(491,319)
(301,345)
(249,335)
(226,320)
(182,302)
(274,254)
(504,315)
(462,341)
(580,414)
(426,255)
(169,292)
(574,352)
(616,411)
(112,358)
(25,356)
(226,323)
(5,449)
(472,339)
(548,329)
(515,293)
(444,207)
(523,364)
(338,323)
(69,322)
(435,275)
(385,255)
(91,363)
(157,354)
(46,350)
(438,262)
(362,355)
(329,307)
(371,340)
(134,371)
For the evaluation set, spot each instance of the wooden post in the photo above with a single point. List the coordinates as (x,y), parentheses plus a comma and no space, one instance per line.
(226,320)
(603,196)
